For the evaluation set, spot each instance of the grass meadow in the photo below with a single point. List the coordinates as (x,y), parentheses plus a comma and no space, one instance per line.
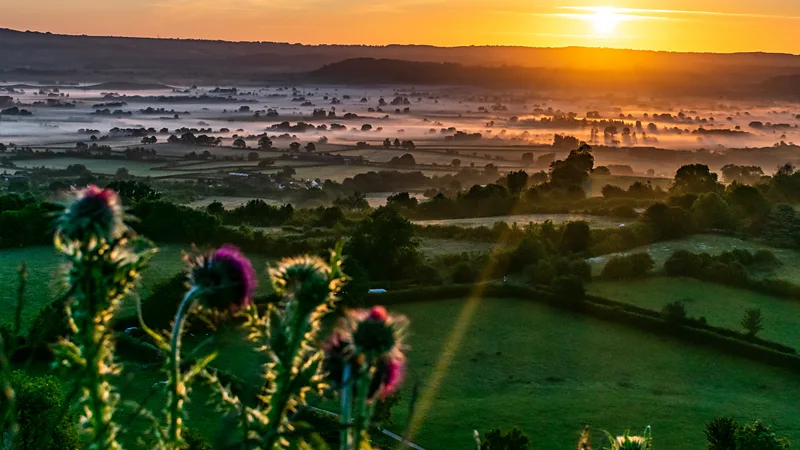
(714,244)
(550,372)
(46,268)
(721,305)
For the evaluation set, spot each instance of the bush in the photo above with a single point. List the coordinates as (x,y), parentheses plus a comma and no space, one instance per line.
(49,325)
(569,288)
(40,408)
(628,266)
(674,312)
(721,433)
(508,440)
(759,437)
(464,274)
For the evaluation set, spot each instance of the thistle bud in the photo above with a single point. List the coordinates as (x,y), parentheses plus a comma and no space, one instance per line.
(94,213)
(225,277)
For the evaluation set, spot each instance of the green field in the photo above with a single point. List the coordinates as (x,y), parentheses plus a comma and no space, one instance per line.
(713,244)
(46,267)
(551,372)
(721,305)
(229,202)
(524,219)
(101,166)
(339,172)
(437,247)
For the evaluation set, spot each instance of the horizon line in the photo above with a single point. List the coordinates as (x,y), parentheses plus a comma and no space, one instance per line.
(49,33)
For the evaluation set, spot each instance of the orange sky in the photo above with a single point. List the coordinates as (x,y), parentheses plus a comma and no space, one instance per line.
(676,25)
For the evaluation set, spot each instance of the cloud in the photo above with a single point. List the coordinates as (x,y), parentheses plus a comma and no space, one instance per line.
(677,12)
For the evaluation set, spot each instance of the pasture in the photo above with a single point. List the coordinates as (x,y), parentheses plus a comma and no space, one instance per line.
(46,268)
(550,372)
(713,244)
(525,219)
(722,306)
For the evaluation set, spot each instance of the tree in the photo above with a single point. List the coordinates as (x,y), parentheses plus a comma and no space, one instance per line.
(387,143)
(748,201)
(710,211)
(782,226)
(215,208)
(402,200)
(721,433)
(266,162)
(397,143)
(265,143)
(366,127)
(752,321)
(134,191)
(695,179)
(668,222)
(294,146)
(516,181)
(252,156)
(409,145)
(455,162)
(674,312)
(741,174)
(505,440)
(602,170)
(310,147)
(384,244)
(576,237)
(121,173)
(240,143)
(759,437)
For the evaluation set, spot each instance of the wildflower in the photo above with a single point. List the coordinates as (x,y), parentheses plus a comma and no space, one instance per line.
(628,442)
(94,213)
(225,278)
(307,279)
(389,373)
(376,332)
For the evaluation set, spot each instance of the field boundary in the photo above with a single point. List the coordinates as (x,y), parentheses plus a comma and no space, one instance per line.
(691,331)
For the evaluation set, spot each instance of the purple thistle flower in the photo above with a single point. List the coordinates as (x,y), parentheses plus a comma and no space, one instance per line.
(226,278)
(390,372)
(95,213)
(375,331)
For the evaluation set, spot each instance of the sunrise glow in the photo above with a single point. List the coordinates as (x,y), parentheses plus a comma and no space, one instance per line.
(605,20)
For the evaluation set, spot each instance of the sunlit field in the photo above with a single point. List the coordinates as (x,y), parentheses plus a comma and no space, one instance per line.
(551,372)
(46,267)
(714,244)
(722,306)
(524,219)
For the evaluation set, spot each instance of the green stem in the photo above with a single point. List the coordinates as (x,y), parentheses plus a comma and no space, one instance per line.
(177,388)
(345,440)
(280,399)
(361,407)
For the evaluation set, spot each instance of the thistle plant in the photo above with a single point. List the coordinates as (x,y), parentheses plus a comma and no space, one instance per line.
(105,259)
(365,361)
(286,332)
(628,442)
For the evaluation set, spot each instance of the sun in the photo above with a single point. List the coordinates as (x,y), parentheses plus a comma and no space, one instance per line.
(605,20)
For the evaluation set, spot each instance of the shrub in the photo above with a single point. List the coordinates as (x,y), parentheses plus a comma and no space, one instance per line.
(759,437)
(752,321)
(40,407)
(505,440)
(49,325)
(674,312)
(464,273)
(721,433)
(569,288)
(628,266)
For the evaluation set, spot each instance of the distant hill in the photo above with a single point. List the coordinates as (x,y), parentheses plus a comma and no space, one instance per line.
(730,83)
(44,56)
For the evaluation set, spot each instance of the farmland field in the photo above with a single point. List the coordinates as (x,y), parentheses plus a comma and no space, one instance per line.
(524,219)
(721,305)
(713,244)
(100,166)
(229,202)
(45,267)
(437,247)
(340,172)
(565,370)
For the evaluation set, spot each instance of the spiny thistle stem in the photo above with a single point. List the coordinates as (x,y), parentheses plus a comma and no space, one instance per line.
(363,411)
(345,436)
(176,385)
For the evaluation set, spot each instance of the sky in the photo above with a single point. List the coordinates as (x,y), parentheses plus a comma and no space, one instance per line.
(672,25)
